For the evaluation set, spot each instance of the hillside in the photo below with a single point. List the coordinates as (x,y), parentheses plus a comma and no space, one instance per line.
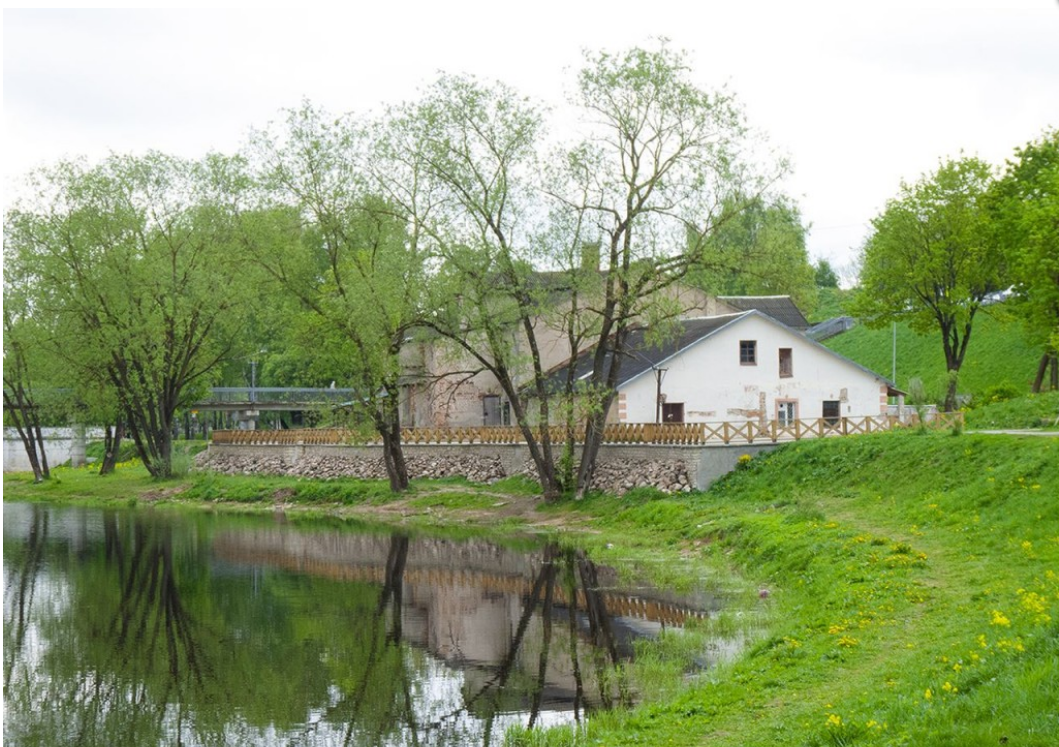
(997,355)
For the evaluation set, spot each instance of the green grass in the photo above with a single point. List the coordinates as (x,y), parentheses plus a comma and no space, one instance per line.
(998,354)
(897,564)
(1029,411)
(893,589)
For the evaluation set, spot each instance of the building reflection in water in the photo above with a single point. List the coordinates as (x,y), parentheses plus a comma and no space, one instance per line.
(140,627)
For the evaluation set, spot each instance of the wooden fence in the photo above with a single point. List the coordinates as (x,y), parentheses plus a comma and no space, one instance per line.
(669,434)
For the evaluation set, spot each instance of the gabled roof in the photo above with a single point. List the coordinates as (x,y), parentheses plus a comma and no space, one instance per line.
(780,308)
(641,357)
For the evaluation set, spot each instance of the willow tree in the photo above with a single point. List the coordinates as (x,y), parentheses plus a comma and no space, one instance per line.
(345,253)
(25,370)
(133,259)
(660,154)
(586,240)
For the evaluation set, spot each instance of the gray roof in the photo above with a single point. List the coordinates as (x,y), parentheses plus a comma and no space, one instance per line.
(780,308)
(640,356)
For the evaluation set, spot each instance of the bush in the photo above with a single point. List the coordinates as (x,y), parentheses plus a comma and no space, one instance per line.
(993,394)
(1029,411)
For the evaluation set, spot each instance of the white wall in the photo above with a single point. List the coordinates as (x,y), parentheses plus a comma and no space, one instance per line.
(713,386)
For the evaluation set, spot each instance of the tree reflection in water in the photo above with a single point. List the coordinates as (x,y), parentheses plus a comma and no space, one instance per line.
(137,629)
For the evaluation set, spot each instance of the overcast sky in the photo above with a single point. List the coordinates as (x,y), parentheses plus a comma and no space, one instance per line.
(859,96)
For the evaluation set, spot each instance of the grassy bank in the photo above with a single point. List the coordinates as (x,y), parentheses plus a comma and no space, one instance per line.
(908,583)
(998,355)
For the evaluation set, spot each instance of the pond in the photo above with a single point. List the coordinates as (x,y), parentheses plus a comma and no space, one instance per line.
(145,627)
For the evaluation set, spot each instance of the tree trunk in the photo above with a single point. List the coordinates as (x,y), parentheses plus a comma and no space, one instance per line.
(393,458)
(950,392)
(21,410)
(1042,368)
(388,426)
(112,437)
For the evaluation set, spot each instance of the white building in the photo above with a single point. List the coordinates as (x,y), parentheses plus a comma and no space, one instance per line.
(740,367)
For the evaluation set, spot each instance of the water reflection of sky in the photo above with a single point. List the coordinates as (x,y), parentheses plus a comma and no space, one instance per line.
(155,628)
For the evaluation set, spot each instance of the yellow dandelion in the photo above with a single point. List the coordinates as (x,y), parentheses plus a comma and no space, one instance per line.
(1000,619)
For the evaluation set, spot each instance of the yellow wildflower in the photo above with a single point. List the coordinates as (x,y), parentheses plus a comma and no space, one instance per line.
(1000,619)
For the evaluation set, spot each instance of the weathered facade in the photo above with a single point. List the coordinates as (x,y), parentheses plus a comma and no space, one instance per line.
(444,387)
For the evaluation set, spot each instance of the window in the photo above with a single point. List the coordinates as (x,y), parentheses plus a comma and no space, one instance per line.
(786,363)
(748,352)
(672,412)
(786,411)
(832,411)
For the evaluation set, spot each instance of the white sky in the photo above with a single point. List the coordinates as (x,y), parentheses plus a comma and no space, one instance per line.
(860,96)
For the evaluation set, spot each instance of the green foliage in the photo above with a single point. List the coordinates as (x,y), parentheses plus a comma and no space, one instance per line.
(831,302)
(996,393)
(131,264)
(758,248)
(1025,211)
(97,449)
(930,261)
(826,277)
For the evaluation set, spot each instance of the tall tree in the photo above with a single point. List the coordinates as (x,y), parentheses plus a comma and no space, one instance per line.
(659,157)
(825,274)
(134,258)
(610,224)
(760,250)
(24,369)
(1026,224)
(929,261)
(347,257)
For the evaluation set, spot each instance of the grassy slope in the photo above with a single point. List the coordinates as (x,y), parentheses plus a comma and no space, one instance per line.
(913,590)
(916,596)
(997,354)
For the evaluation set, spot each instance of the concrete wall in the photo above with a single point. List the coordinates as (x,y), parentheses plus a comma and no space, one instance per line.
(705,464)
(60,445)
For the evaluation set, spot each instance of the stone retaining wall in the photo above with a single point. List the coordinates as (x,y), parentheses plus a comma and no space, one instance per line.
(672,469)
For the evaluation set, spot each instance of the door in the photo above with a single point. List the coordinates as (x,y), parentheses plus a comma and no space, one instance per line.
(491,409)
(832,411)
(672,412)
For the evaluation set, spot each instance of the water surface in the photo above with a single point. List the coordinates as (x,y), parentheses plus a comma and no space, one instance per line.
(144,627)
